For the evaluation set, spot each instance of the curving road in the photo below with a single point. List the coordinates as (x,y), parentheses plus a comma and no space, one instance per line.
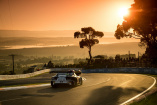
(97,89)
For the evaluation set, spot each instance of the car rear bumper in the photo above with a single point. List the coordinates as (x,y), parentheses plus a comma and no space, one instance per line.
(61,83)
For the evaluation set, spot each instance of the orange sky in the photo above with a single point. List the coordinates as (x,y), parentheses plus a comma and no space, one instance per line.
(61,14)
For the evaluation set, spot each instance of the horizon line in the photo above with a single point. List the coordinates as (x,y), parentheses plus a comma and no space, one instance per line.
(44,30)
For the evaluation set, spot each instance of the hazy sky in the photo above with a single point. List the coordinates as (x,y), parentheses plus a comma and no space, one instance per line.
(61,14)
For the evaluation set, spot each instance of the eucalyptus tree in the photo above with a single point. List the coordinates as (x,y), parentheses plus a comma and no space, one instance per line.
(88,36)
(142,19)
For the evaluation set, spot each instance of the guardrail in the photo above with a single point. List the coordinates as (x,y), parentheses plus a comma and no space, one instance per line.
(64,69)
(103,70)
(122,70)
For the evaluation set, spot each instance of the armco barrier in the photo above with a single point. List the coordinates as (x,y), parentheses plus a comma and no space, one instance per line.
(122,70)
(7,77)
(58,69)
(103,70)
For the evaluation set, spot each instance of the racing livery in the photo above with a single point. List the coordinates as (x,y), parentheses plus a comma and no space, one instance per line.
(67,77)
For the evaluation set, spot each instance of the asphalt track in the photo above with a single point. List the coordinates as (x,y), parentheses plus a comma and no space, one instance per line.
(97,89)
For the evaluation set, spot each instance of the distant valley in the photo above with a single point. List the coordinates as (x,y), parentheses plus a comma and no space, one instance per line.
(65,46)
(76,51)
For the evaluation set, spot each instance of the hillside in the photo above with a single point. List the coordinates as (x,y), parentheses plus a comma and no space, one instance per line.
(101,49)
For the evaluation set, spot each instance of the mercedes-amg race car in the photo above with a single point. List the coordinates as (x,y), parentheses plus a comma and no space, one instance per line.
(70,77)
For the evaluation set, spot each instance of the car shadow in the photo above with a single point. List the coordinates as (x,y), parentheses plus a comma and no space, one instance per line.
(59,88)
(37,95)
(49,91)
(110,95)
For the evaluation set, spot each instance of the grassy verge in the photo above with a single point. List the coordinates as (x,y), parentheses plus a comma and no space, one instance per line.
(149,100)
(22,85)
(155,76)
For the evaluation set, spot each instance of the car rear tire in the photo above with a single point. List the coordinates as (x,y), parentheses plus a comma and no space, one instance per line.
(53,85)
(81,82)
(74,83)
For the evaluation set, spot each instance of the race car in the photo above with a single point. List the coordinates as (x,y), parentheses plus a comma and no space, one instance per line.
(67,77)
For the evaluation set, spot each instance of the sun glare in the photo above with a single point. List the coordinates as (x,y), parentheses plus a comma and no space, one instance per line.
(123,11)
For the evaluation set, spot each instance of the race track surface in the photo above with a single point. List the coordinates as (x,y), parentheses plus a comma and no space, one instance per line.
(97,89)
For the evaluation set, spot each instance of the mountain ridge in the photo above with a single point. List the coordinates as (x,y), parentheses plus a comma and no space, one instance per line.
(48,33)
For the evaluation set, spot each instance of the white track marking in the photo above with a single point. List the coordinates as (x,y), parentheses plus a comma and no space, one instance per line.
(99,82)
(23,87)
(127,81)
(84,79)
(13,99)
(124,103)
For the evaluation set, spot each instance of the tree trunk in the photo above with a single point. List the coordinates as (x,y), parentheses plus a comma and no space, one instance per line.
(13,63)
(90,54)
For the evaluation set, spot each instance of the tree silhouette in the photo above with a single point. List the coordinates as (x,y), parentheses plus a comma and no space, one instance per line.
(117,58)
(88,34)
(143,20)
(50,64)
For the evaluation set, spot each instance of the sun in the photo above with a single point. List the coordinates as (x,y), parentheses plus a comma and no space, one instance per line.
(123,12)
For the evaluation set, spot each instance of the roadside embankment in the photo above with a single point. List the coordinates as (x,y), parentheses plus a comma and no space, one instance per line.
(19,76)
(8,77)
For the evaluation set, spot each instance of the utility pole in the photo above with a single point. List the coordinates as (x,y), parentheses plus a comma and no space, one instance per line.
(138,58)
(129,57)
(13,61)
